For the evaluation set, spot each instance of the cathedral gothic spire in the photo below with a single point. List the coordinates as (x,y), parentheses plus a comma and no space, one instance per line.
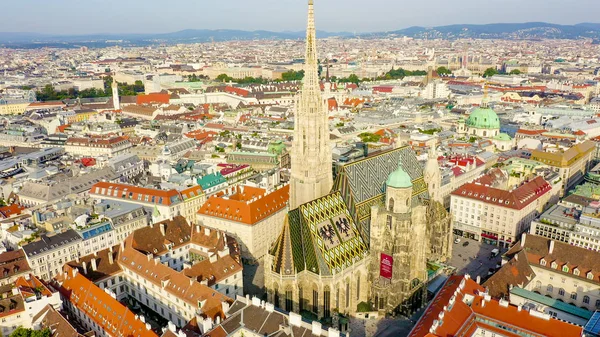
(311,175)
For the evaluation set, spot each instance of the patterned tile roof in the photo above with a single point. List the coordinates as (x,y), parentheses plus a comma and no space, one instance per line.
(320,236)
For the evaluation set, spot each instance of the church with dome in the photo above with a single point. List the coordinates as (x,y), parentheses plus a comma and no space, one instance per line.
(482,122)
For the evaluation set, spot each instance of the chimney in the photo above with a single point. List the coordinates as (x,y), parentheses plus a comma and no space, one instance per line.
(551,248)
(163,228)
(197,228)
(94,265)
(84,265)
(523,236)
(478,279)
(206,231)
(110,257)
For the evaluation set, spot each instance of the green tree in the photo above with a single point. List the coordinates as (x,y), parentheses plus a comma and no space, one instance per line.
(489,72)
(223,78)
(368,137)
(515,72)
(292,75)
(22,332)
(443,71)
(353,79)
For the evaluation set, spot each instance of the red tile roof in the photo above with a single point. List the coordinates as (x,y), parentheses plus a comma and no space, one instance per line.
(518,198)
(110,315)
(135,193)
(246,204)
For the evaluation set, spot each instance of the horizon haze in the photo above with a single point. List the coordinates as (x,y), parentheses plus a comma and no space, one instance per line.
(73,17)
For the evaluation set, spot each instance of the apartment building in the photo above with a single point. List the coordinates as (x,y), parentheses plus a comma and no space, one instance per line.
(166,204)
(47,255)
(579,228)
(181,272)
(13,264)
(551,268)
(252,215)
(463,308)
(571,164)
(94,147)
(497,216)
(22,300)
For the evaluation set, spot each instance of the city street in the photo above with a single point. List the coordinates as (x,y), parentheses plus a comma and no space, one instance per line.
(474,259)
(254,280)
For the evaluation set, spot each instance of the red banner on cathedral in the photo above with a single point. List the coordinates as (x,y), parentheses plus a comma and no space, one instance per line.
(385,267)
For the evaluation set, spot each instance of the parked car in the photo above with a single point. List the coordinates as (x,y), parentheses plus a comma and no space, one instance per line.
(466,243)
(457,240)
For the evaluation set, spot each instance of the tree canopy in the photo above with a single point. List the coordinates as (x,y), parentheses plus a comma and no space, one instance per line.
(515,72)
(489,72)
(368,137)
(292,75)
(443,71)
(22,332)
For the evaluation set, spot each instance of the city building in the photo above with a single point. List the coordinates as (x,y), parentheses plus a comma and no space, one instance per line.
(253,317)
(553,269)
(252,215)
(484,212)
(181,272)
(165,204)
(572,164)
(95,147)
(464,308)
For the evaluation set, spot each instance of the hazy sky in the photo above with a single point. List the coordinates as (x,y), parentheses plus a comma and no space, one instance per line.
(159,16)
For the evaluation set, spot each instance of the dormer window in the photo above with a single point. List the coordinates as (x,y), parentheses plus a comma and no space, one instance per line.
(565,269)
(576,272)
(554,265)
(543,262)
(590,276)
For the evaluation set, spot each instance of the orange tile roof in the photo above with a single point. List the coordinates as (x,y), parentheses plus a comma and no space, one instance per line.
(8,211)
(136,194)
(100,307)
(154,98)
(174,282)
(27,286)
(465,308)
(246,204)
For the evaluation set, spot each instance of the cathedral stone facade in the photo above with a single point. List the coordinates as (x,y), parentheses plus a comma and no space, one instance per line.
(320,263)
(407,232)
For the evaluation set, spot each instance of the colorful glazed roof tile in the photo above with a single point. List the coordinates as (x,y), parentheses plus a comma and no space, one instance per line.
(319,236)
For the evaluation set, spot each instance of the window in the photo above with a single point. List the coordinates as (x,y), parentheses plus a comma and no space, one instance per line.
(553,265)
(565,269)
(573,295)
(586,299)
(550,288)
(561,292)
(543,262)
(597,304)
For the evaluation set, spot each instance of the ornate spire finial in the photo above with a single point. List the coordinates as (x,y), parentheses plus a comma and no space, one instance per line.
(485,101)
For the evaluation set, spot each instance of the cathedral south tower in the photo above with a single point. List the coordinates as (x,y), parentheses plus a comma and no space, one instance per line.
(311,175)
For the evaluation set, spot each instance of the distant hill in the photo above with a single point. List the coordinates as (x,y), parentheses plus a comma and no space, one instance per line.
(529,30)
(29,40)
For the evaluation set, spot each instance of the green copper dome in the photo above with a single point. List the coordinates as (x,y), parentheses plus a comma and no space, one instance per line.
(503,136)
(399,179)
(483,118)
